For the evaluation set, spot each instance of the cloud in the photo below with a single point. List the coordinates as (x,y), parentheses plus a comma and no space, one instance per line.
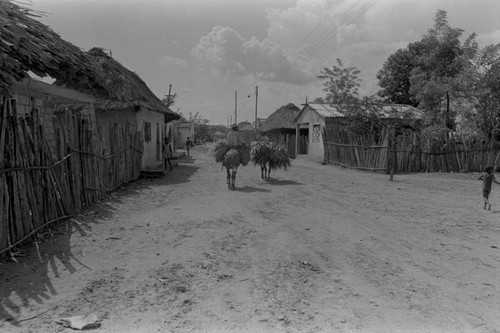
(226,52)
(172,61)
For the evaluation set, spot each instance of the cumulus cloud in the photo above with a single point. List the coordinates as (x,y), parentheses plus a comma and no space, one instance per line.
(228,53)
(172,61)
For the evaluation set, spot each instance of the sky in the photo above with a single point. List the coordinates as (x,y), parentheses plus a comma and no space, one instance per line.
(209,49)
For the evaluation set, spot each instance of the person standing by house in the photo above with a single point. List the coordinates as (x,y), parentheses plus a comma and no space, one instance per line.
(189,145)
(167,153)
(488,178)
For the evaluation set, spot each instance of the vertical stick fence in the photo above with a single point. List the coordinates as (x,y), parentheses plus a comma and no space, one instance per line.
(42,183)
(409,151)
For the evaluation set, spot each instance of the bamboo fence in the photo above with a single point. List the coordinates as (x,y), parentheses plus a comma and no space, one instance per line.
(409,151)
(357,152)
(42,183)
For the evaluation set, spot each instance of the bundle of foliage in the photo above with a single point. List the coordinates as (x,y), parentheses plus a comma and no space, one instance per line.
(218,150)
(280,158)
(274,155)
(260,152)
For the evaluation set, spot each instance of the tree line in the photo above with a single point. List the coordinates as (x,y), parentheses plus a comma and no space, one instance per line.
(456,84)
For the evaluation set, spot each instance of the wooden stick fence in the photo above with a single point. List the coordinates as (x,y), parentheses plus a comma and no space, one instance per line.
(41,184)
(408,151)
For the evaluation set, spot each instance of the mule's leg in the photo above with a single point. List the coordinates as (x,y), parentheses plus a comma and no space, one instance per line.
(269,173)
(228,178)
(233,179)
(262,168)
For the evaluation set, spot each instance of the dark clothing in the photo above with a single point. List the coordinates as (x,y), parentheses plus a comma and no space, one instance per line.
(488,179)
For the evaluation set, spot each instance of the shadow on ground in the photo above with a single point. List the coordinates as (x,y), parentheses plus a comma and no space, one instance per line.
(283,182)
(28,280)
(251,189)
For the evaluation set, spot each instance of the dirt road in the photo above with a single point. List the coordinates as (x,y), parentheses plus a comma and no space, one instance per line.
(317,249)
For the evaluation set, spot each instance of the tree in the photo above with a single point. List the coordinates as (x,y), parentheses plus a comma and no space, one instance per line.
(431,81)
(394,77)
(479,83)
(341,84)
(169,102)
(424,74)
(342,91)
(197,118)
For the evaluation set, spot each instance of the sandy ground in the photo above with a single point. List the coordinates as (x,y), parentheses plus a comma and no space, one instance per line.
(316,249)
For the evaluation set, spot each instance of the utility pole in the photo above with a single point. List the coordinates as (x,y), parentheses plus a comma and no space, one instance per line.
(168,101)
(256,101)
(168,97)
(236,107)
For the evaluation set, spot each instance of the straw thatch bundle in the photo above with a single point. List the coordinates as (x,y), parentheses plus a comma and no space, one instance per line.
(28,45)
(270,156)
(280,158)
(219,150)
(260,152)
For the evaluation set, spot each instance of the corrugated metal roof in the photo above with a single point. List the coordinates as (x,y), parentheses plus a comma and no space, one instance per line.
(326,110)
(387,111)
(401,110)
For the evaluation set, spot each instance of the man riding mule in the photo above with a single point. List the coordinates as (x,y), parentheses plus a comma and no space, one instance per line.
(232,153)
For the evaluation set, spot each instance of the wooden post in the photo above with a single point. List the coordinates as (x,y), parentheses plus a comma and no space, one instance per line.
(393,156)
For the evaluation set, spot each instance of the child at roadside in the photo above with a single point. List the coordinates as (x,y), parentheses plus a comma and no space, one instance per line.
(167,153)
(488,178)
(189,145)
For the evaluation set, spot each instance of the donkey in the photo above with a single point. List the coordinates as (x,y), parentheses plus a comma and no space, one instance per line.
(231,162)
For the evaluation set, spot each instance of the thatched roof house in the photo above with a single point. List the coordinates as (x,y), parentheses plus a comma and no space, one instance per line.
(283,118)
(117,87)
(28,45)
(120,95)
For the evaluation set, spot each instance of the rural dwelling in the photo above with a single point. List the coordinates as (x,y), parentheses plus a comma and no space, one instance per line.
(181,131)
(30,48)
(280,126)
(36,99)
(314,118)
(123,97)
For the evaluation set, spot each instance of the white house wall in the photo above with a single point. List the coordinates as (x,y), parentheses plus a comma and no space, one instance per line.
(152,148)
(316,125)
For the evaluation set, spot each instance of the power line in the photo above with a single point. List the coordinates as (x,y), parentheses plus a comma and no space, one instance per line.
(353,15)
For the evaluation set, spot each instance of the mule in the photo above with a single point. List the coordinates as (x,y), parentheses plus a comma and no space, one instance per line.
(232,160)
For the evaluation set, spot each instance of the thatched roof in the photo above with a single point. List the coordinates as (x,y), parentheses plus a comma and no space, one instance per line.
(28,45)
(283,118)
(117,87)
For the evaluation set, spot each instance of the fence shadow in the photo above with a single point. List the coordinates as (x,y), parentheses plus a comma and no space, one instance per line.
(29,280)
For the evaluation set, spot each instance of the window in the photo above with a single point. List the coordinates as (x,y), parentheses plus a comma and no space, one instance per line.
(147,131)
(316,133)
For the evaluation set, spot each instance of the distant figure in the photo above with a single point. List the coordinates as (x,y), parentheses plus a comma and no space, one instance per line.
(189,145)
(233,138)
(488,178)
(167,153)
